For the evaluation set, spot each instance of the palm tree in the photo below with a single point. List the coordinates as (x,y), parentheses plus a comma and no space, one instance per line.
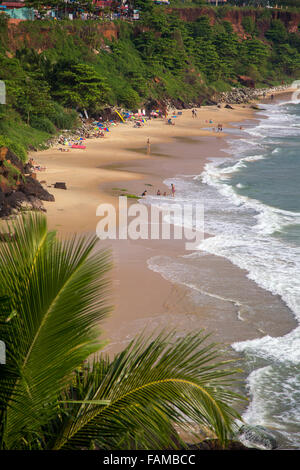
(53,296)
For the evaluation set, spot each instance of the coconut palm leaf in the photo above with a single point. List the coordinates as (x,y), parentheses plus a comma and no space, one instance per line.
(152,385)
(57,296)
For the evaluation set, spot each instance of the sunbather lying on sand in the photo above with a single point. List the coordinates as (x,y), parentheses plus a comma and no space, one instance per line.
(39,168)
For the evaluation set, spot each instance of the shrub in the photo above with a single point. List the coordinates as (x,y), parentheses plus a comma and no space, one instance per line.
(42,123)
(277,32)
(220,85)
(249,25)
(128,97)
(63,118)
(16,148)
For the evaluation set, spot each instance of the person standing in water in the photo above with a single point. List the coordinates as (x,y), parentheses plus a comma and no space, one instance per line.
(173,189)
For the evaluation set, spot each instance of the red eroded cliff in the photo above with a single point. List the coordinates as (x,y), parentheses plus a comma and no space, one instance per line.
(43,38)
(235,16)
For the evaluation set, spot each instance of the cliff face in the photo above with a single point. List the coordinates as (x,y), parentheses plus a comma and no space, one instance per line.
(19,190)
(235,17)
(45,37)
(291,20)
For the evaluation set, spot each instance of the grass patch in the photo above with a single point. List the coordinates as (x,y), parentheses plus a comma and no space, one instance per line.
(20,137)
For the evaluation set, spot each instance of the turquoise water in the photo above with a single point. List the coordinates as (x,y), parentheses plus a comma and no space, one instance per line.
(258,228)
(274,180)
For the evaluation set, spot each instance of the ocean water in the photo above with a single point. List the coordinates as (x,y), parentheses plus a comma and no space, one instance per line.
(252,212)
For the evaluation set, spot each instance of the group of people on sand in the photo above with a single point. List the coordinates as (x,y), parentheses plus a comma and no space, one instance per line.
(159,192)
(100,134)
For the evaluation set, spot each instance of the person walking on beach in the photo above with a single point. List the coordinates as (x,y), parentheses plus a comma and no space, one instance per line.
(173,189)
(193,113)
(148,146)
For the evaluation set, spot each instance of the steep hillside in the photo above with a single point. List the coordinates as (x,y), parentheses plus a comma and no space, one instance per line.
(19,190)
(55,69)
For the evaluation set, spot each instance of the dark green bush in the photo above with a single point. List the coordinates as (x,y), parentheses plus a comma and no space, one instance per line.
(43,123)
(249,25)
(63,118)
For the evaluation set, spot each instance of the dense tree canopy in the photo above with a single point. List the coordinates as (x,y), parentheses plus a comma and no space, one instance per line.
(78,86)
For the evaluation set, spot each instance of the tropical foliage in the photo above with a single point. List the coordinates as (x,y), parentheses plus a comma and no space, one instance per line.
(78,86)
(68,66)
(58,392)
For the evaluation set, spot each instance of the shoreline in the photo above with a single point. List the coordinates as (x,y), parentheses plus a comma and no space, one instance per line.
(130,167)
(91,174)
(143,299)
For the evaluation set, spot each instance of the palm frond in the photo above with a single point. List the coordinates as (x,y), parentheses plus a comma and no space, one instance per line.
(152,385)
(57,293)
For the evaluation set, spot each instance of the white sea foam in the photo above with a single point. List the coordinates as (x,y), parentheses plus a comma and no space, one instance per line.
(270,265)
(269,219)
(282,349)
(281,411)
(241,229)
(274,266)
(189,276)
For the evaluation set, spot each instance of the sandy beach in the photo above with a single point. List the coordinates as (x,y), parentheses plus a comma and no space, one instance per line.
(144,300)
(91,174)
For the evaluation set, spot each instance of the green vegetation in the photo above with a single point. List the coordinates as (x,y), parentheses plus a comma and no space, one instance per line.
(187,3)
(53,70)
(53,295)
(132,196)
(14,146)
